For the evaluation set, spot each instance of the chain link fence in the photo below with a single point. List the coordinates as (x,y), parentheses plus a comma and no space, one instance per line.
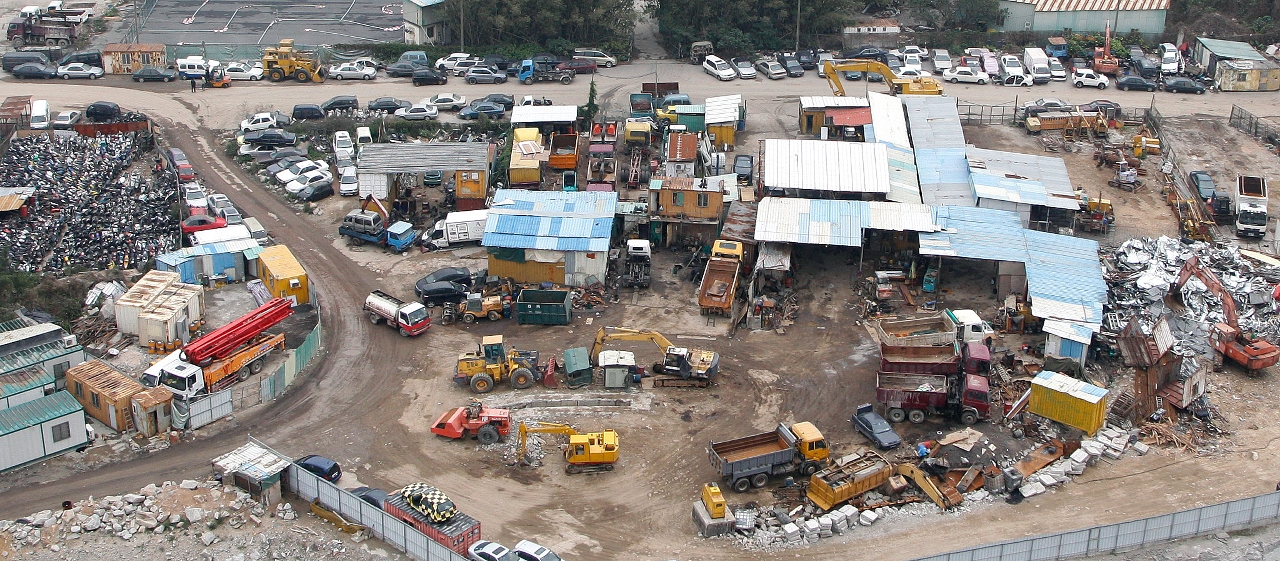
(1253,125)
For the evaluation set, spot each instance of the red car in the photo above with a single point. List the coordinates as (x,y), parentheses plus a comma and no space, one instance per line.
(578,65)
(201,222)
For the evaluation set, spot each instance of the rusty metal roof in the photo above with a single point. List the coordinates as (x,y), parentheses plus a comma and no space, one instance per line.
(109,382)
(152,397)
(849,116)
(133,48)
(682,147)
(1100,5)
(740,224)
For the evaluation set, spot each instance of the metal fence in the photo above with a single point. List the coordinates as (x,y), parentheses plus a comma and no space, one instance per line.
(1125,536)
(275,384)
(976,114)
(1251,125)
(209,409)
(381,525)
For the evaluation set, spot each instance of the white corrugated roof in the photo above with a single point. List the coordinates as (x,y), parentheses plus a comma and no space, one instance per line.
(825,101)
(818,165)
(888,119)
(723,109)
(544,114)
(900,217)
(827,222)
(1075,388)
(1100,5)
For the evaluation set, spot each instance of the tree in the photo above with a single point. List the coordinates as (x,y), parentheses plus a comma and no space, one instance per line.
(957,14)
(579,22)
(742,26)
(587,113)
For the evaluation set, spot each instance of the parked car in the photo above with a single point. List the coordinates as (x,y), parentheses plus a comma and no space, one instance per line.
(502,64)
(792,65)
(530,551)
(271,137)
(404,68)
(343,147)
(867,52)
(909,73)
(1101,106)
(597,56)
(913,62)
(718,68)
(347,184)
(309,179)
(965,74)
(321,466)
(433,177)
(341,102)
(370,495)
(1089,78)
(1183,85)
(808,59)
(429,77)
(202,222)
(1049,104)
(742,65)
(744,166)
(316,191)
(292,172)
(911,50)
(194,196)
(256,150)
(485,550)
(852,75)
(1203,184)
(941,60)
(447,101)
(474,111)
(485,75)
(419,57)
(67,119)
(153,74)
(284,164)
(307,111)
(894,63)
(242,71)
(258,121)
(433,294)
(352,71)
(461,275)
(388,104)
(461,67)
(507,102)
(102,111)
(1133,82)
(875,428)
(286,152)
(578,66)
(771,69)
(34,70)
(823,57)
(448,62)
(80,70)
(420,111)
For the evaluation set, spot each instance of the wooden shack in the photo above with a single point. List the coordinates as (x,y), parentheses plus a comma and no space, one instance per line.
(104,392)
(127,58)
(151,410)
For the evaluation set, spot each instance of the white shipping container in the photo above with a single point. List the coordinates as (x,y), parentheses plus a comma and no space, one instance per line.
(34,442)
(372,184)
(224,234)
(140,296)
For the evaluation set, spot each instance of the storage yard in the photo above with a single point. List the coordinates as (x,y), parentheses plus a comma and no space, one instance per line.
(965,331)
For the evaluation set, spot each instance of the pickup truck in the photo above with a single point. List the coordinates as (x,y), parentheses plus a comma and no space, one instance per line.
(749,461)
(409,318)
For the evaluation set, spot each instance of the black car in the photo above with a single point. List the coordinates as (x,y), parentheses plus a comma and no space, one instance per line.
(744,166)
(1103,106)
(102,111)
(1201,181)
(808,59)
(502,63)
(306,112)
(432,177)
(369,495)
(321,466)
(792,65)
(270,137)
(341,102)
(284,164)
(444,292)
(430,77)
(875,428)
(34,70)
(1183,85)
(286,152)
(316,191)
(461,275)
(506,101)
(405,68)
(1132,82)
(153,74)
(388,104)
(867,52)
(545,59)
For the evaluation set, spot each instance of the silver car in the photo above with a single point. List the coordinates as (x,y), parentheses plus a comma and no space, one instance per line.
(485,75)
(79,70)
(744,68)
(420,111)
(771,69)
(353,71)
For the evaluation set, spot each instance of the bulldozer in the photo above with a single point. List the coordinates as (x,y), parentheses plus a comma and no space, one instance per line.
(284,61)
(587,453)
(923,85)
(492,363)
(688,364)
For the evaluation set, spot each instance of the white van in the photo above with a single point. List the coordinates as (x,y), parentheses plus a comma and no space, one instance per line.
(194,67)
(717,67)
(40,118)
(363,136)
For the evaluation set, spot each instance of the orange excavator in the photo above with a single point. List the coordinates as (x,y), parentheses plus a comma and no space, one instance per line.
(1226,336)
(1103,61)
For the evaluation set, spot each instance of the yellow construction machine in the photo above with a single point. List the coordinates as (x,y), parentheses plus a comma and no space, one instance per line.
(586,453)
(688,364)
(923,85)
(942,494)
(285,61)
(492,363)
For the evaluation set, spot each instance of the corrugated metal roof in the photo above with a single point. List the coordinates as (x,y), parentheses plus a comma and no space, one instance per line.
(152,397)
(281,262)
(740,223)
(108,381)
(35,355)
(522,114)
(889,120)
(18,323)
(944,177)
(1041,177)
(808,103)
(417,157)
(849,116)
(723,109)
(1075,388)
(828,222)
(899,217)
(554,220)
(1100,5)
(690,110)
(252,460)
(1000,188)
(33,413)
(682,147)
(29,336)
(935,122)
(174,258)
(1231,49)
(15,383)
(818,165)
(904,179)
(1067,330)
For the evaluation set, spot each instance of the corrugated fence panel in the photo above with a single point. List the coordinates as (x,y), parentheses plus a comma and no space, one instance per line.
(209,409)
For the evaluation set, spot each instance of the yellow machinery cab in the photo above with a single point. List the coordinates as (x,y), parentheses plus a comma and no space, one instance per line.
(812,444)
(592,448)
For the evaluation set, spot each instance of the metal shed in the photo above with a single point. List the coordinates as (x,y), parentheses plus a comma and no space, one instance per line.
(818,169)
(104,392)
(26,385)
(169,317)
(282,275)
(725,115)
(151,410)
(139,296)
(254,468)
(39,429)
(205,260)
(550,236)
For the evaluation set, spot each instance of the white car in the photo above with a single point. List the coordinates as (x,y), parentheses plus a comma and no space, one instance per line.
(912,62)
(217,202)
(353,71)
(1086,77)
(256,150)
(258,122)
(941,60)
(717,67)
(965,74)
(446,101)
(531,551)
(80,70)
(597,56)
(343,146)
(194,196)
(242,71)
(344,164)
(913,73)
(448,62)
(1057,72)
(910,50)
(313,177)
(67,119)
(485,550)
(297,169)
(420,111)
(347,185)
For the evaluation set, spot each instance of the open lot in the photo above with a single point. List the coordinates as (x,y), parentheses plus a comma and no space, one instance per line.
(266,23)
(369,404)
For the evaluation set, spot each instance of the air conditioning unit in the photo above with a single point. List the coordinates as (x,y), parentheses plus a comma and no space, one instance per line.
(69,341)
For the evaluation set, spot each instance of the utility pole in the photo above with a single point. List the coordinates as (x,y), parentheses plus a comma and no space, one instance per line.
(797,26)
(462,26)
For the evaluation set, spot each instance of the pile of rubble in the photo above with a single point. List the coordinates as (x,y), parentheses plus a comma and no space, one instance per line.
(85,210)
(1110,442)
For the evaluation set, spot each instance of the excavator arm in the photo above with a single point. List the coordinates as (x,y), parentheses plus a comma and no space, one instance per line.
(945,497)
(922,85)
(627,334)
(1210,280)
(542,428)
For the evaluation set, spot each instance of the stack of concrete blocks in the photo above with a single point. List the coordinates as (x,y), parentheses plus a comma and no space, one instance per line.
(867,517)
(1077,462)
(811,530)
(1031,487)
(791,532)
(839,522)
(824,526)
(1114,442)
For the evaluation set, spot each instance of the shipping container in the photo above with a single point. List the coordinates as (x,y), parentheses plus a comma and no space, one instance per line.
(167,318)
(39,429)
(139,297)
(528,271)
(457,533)
(524,172)
(544,307)
(104,392)
(470,204)
(25,385)
(283,276)
(1068,401)
(471,184)
(224,234)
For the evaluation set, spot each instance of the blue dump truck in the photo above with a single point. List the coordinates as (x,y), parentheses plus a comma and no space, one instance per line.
(365,226)
(531,71)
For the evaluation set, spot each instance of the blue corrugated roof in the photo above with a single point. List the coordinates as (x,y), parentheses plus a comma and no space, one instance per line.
(944,176)
(554,220)
(830,222)
(1003,188)
(33,413)
(934,121)
(15,383)
(175,258)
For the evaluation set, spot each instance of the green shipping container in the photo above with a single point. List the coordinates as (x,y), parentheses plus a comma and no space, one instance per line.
(1068,401)
(544,307)
(692,116)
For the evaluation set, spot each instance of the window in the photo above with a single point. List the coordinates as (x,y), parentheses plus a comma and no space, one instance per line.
(1242,77)
(60,369)
(146,58)
(704,199)
(61,431)
(93,396)
(677,198)
(79,389)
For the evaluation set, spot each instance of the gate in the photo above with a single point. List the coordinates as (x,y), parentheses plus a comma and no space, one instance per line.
(209,409)
(976,114)
(1251,125)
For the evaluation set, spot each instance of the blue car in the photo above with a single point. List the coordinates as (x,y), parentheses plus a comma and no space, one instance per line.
(490,110)
(875,428)
(321,466)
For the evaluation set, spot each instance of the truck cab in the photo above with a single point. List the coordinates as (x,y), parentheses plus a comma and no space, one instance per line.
(970,328)
(810,442)
(186,380)
(725,248)
(975,396)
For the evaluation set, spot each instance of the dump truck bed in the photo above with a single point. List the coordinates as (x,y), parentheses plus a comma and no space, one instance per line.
(719,283)
(920,332)
(911,391)
(919,360)
(751,454)
(852,476)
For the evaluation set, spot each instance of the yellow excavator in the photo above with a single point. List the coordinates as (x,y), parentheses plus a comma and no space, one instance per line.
(942,494)
(587,453)
(923,85)
(688,364)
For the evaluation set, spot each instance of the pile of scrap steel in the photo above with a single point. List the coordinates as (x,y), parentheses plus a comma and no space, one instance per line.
(589,297)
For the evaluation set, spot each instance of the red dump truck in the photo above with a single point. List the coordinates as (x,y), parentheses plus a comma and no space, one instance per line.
(915,396)
(720,279)
(973,358)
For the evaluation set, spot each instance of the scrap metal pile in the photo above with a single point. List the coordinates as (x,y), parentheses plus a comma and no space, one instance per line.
(85,210)
(1142,271)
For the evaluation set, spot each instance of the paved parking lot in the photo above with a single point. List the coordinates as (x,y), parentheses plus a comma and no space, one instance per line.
(266,23)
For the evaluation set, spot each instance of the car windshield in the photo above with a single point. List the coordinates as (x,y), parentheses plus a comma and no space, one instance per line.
(343,143)
(418,315)
(1250,218)
(941,58)
(878,425)
(743,64)
(193,194)
(1054,65)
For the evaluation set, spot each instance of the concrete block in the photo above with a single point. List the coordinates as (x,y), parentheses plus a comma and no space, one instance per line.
(1076,468)
(1112,453)
(1045,479)
(789,530)
(867,517)
(850,513)
(1080,456)
(710,527)
(838,520)
(1031,489)
(1141,448)
(811,527)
